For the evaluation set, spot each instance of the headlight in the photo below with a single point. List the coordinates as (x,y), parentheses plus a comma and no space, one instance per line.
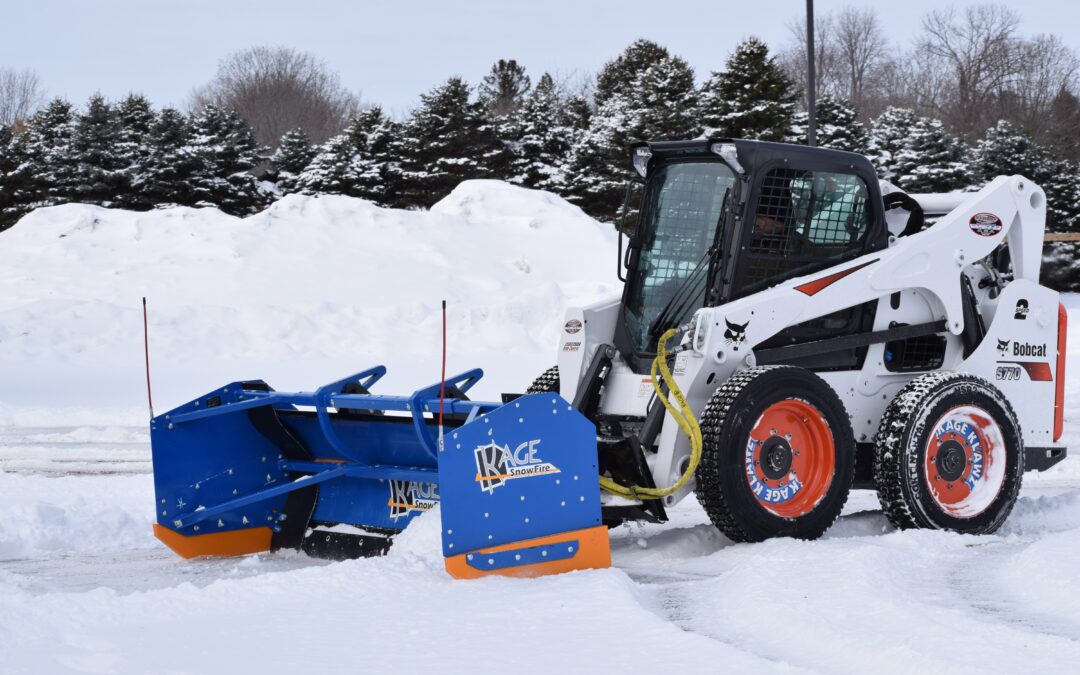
(642,155)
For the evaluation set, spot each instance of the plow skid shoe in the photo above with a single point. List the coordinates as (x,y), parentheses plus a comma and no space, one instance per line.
(338,471)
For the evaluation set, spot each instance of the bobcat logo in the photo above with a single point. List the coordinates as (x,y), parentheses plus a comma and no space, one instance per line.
(735,334)
(1003,347)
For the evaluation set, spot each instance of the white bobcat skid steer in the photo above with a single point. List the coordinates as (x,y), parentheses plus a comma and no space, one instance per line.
(821,348)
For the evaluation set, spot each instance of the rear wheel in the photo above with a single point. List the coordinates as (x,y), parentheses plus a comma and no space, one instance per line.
(548,381)
(949,455)
(778,455)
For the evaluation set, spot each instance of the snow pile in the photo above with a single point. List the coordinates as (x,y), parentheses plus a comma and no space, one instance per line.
(308,291)
(70,514)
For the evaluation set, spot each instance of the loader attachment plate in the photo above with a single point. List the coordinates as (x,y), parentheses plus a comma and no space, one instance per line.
(245,469)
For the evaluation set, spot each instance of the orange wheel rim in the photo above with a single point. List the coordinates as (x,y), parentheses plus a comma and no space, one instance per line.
(964,463)
(790,458)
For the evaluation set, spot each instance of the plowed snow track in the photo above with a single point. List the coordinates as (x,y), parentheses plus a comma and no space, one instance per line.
(863,597)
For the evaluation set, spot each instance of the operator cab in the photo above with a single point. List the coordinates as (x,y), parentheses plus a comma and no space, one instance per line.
(718,219)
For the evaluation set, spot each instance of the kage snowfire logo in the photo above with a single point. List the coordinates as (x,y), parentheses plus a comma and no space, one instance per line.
(496,464)
(407,496)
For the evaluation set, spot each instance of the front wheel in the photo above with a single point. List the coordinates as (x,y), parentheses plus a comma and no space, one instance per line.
(949,455)
(778,455)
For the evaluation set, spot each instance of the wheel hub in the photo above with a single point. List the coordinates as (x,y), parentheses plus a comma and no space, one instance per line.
(790,458)
(951,460)
(776,458)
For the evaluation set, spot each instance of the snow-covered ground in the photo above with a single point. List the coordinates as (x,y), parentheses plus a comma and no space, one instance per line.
(315,288)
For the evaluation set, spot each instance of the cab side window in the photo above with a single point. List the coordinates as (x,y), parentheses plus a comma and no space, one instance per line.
(803,221)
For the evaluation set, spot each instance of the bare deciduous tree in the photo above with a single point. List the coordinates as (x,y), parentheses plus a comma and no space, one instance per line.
(277,89)
(793,59)
(975,47)
(20,95)
(860,49)
(1045,67)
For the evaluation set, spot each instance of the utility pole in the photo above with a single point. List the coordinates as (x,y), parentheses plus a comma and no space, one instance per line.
(811,78)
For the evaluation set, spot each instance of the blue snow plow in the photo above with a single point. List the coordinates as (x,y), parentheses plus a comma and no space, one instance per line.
(338,471)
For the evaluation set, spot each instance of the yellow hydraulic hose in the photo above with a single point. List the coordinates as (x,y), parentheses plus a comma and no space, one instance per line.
(683,416)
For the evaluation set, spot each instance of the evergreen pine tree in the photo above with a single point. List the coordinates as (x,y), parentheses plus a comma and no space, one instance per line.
(621,74)
(938,159)
(224,145)
(503,89)
(172,164)
(667,99)
(136,118)
(357,162)
(293,154)
(598,168)
(50,156)
(576,113)
(890,134)
(100,176)
(16,185)
(1061,184)
(838,127)
(658,105)
(446,140)
(545,137)
(751,98)
(1006,150)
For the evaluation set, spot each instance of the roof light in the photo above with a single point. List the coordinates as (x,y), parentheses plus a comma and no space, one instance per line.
(642,155)
(728,153)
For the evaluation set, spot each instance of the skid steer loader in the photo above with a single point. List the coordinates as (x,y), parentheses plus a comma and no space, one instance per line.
(830,337)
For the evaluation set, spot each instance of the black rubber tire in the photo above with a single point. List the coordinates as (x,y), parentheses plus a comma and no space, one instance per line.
(901,443)
(547,382)
(726,423)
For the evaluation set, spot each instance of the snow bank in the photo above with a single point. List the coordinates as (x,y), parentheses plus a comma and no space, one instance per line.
(303,293)
(71,514)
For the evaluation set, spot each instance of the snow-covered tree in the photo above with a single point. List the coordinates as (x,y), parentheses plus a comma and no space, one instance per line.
(172,166)
(293,154)
(1006,150)
(225,148)
(598,168)
(359,162)
(544,137)
(890,134)
(100,177)
(16,184)
(136,118)
(445,141)
(838,127)
(620,75)
(938,160)
(50,155)
(659,104)
(751,98)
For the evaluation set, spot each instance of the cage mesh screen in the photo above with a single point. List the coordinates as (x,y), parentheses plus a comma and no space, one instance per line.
(803,221)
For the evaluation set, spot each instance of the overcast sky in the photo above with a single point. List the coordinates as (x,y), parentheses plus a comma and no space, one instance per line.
(392,51)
